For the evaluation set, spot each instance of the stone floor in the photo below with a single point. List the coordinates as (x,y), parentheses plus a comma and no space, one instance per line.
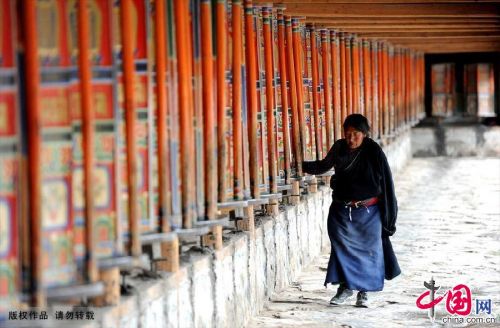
(448,228)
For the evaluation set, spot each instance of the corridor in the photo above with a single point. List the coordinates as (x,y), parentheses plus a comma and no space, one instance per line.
(448,228)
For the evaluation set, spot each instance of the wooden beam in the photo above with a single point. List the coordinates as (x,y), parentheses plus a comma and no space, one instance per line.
(443,39)
(434,34)
(452,48)
(409,27)
(87,112)
(361,20)
(394,10)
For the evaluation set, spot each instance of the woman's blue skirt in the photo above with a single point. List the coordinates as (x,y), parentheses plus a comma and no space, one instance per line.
(357,257)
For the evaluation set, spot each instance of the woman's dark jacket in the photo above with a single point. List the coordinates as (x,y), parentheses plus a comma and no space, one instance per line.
(361,174)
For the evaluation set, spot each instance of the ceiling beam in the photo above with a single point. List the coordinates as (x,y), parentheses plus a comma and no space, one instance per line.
(394,10)
(400,29)
(407,20)
(451,48)
(425,34)
(448,39)
(405,27)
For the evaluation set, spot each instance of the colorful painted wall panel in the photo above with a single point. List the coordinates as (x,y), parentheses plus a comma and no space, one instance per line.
(10,162)
(9,221)
(59,267)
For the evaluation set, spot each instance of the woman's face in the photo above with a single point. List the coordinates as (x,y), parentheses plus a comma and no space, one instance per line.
(353,137)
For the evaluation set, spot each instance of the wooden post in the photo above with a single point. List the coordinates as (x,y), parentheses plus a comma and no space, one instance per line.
(348,74)
(407,88)
(297,57)
(271,136)
(161,114)
(375,88)
(237,98)
(380,70)
(32,87)
(315,93)
(297,145)
(87,110)
(355,76)
(390,68)
(325,43)
(385,89)
(214,238)
(185,110)
(367,80)
(284,94)
(343,77)
(336,92)
(397,81)
(221,97)
(126,26)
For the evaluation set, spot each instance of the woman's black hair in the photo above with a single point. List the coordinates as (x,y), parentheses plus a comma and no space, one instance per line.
(358,122)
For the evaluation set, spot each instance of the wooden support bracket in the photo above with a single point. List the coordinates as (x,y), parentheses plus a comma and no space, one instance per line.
(247,223)
(295,196)
(170,252)
(313,185)
(110,277)
(214,237)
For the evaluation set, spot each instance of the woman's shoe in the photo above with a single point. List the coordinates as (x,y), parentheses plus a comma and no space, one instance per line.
(362,300)
(343,294)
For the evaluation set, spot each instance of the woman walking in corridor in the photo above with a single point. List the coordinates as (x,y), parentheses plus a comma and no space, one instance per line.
(362,214)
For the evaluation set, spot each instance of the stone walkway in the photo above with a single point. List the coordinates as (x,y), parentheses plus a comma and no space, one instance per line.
(448,228)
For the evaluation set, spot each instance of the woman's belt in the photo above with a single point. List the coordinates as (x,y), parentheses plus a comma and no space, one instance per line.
(365,203)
